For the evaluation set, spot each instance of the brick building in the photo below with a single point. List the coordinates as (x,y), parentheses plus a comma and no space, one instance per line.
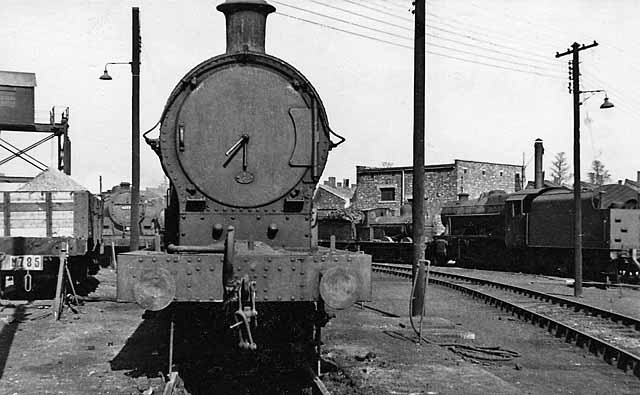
(332,196)
(391,187)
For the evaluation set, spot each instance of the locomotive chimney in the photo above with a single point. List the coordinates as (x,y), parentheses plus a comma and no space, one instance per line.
(246,23)
(539,174)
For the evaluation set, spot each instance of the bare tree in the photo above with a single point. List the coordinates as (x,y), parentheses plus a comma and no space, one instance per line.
(599,175)
(560,169)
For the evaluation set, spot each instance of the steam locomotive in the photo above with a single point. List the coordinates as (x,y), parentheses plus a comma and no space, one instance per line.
(117,217)
(244,139)
(532,231)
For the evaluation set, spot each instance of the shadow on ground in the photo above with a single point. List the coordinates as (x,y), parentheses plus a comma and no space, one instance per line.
(8,333)
(205,363)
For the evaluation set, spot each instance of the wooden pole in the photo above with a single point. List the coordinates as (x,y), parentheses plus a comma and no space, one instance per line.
(417,299)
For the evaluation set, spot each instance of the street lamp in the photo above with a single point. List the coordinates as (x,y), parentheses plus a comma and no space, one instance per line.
(606,104)
(578,187)
(135,125)
(105,75)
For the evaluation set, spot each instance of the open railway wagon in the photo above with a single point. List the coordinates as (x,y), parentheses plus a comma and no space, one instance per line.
(116,228)
(38,220)
(244,139)
(532,231)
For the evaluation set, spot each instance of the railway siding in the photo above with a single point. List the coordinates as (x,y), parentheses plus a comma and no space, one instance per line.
(613,336)
(622,300)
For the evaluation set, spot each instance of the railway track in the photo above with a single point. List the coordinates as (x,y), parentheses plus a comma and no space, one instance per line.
(612,336)
(307,373)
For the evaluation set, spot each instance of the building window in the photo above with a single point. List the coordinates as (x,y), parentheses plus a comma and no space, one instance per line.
(464,170)
(387,194)
(484,172)
(501,173)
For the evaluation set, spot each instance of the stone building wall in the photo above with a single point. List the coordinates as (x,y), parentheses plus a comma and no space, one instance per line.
(442,183)
(477,177)
(325,200)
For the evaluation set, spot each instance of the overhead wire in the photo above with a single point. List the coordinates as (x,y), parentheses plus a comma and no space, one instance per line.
(432,44)
(547,49)
(529,55)
(448,31)
(411,47)
(369,6)
(550,39)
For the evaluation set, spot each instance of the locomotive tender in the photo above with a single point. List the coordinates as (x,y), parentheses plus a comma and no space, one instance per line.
(532,231)
(244,139)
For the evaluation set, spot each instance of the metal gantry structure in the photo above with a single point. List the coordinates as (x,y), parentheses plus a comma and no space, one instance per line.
(52,130)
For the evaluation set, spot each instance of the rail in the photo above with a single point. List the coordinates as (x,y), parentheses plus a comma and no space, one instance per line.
(612,354)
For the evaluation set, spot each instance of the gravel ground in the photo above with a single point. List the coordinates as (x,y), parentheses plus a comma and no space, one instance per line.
(109,349)
(547,365)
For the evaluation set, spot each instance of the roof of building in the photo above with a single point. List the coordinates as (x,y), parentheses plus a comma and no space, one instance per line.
(367,169)
(486,163)
(16,78)
(442,166)
(633,184)
(546,184)
(617,193)
(343,193)
(52,180)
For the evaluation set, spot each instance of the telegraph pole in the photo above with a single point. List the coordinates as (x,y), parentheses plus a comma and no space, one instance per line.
(135,129)
(417,299)
(577,228)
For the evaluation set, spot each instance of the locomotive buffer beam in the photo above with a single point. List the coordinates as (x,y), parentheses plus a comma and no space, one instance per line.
(155,279)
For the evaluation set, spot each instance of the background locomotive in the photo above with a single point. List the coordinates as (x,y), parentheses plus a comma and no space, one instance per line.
(117,217)
(244,139)
(532,230)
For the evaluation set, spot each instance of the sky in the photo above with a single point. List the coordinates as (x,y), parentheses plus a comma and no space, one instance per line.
(493,82)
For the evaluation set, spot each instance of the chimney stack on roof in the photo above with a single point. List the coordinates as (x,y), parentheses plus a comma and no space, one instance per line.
(345,183)
(638,176)
(539,173)
(332,182)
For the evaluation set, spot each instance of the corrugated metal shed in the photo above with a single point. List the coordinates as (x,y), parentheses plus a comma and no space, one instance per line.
(17,78)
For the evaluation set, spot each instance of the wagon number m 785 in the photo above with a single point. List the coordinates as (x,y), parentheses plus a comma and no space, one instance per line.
(21,262)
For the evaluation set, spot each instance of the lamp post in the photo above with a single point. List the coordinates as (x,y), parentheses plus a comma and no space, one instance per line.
(135,125)
(577,228)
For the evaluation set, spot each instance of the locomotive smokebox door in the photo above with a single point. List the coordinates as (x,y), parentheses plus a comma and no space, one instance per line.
(216,144)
